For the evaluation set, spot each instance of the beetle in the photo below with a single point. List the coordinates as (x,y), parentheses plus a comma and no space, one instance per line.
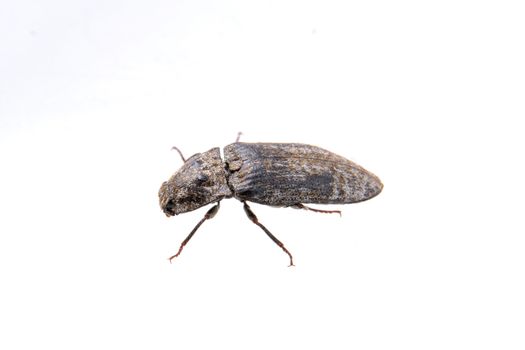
(274,174)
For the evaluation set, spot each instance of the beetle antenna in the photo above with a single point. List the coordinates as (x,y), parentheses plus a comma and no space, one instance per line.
(180,153)
(238,136)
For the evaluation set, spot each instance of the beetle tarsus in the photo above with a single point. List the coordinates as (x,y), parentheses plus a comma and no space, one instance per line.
(302,206)
(254,219)
(178,253)
(209,214)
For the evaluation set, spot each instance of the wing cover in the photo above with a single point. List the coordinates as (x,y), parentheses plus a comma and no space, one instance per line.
(284,174)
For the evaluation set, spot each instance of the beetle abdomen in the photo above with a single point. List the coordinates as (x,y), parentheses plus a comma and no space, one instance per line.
(284,174)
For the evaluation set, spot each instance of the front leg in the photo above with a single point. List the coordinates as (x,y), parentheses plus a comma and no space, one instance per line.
(210,214)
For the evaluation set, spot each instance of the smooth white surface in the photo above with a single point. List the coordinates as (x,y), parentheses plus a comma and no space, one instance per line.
(429,96)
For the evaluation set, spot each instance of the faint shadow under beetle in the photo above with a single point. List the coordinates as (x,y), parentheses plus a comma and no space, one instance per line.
(274,174)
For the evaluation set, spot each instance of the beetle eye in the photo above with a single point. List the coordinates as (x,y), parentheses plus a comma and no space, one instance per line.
(170,206)
(202,178)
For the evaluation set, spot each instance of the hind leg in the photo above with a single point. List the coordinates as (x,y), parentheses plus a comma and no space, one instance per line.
(302,206)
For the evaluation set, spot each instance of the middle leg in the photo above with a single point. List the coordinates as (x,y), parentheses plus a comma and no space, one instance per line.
(254,219)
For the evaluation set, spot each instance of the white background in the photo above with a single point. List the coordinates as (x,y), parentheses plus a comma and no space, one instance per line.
(427,95)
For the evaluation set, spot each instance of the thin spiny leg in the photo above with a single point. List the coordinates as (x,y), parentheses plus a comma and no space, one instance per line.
(210,214)
(254,219)
(302,206)
(238,136)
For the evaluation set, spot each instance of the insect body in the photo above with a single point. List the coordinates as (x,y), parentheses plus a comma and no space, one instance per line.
(275,174)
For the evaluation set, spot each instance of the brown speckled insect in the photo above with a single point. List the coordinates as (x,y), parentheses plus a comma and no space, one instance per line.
(275,174)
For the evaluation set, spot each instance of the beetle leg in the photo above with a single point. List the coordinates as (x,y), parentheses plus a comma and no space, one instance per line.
(210,214)
(254,219)
(302,206)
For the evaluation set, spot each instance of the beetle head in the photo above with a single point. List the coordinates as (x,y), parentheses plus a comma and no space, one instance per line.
(200,181)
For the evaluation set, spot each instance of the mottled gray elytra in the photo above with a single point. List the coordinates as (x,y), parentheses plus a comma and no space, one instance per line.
(275,174)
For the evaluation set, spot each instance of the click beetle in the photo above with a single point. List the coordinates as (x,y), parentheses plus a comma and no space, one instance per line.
(274,174)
